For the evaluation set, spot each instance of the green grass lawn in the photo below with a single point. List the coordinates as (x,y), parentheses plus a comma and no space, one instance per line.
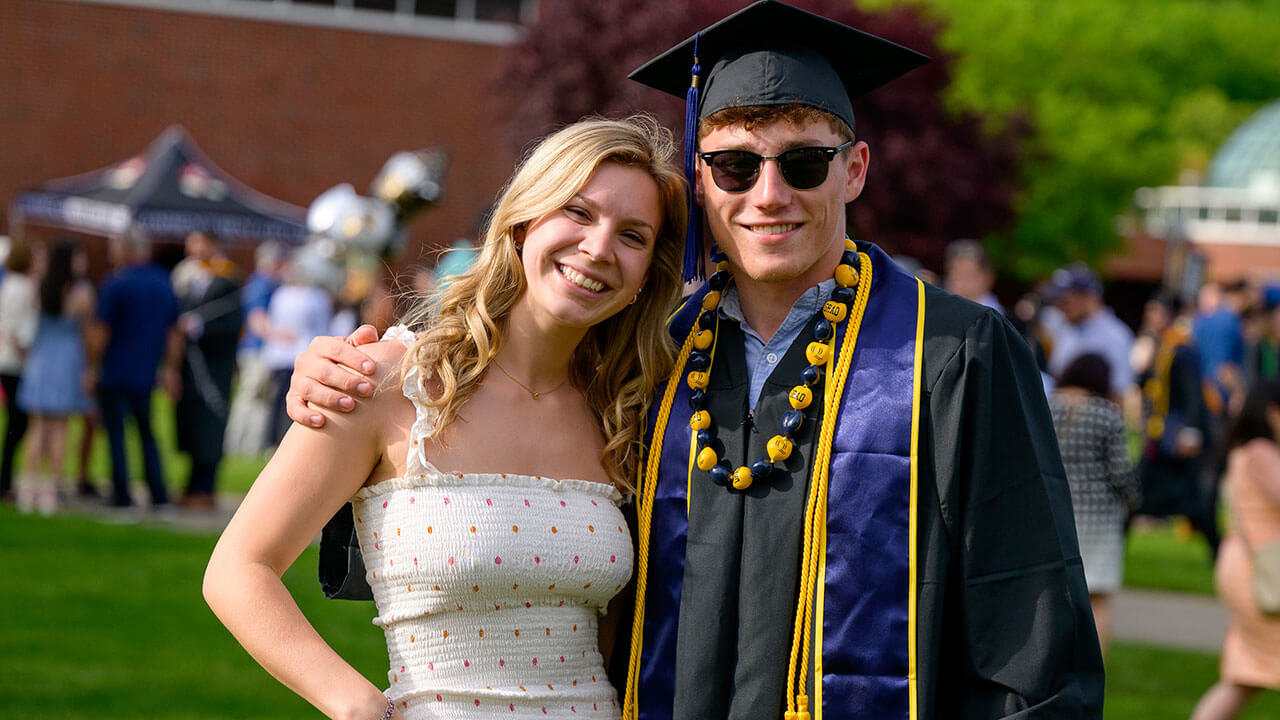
(1146,683)
(106,621)
(1161,559)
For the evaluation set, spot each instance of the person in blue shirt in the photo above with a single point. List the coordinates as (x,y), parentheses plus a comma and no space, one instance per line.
(1219,342)
(135,337)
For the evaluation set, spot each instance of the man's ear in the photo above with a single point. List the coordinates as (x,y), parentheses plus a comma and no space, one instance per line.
(698,195)
(856,166)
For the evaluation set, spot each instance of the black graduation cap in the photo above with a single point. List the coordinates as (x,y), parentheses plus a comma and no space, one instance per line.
(770,53)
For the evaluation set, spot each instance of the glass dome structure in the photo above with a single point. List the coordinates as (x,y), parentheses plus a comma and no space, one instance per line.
(1251,155)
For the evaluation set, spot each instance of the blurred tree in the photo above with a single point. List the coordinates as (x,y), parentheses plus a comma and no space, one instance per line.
(1120,95)
(937,173)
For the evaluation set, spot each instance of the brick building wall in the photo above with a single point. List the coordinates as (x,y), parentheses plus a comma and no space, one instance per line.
(288,109)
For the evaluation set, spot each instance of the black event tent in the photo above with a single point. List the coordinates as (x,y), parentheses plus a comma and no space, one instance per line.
(171,189)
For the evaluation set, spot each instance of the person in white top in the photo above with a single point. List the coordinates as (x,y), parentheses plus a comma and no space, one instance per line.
(19,318)
(485,471)
(299,310)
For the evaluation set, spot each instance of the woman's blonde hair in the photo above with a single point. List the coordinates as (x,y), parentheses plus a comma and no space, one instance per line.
(622,359)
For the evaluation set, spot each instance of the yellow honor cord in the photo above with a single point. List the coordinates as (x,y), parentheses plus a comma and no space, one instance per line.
(914,522)
(1157,388)
(816,506)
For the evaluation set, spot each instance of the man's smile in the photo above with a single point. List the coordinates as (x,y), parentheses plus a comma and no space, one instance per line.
(773,229)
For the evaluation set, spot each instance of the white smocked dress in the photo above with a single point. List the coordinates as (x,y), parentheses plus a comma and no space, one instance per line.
(489,586)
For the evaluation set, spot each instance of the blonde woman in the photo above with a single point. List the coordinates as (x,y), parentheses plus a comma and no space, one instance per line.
(485,471)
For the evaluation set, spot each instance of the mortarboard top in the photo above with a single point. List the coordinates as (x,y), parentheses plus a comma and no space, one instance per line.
(771,53)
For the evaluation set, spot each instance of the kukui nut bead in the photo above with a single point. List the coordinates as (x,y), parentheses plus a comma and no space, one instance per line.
(818,353)
(800,397)
(707,459)
(779,448)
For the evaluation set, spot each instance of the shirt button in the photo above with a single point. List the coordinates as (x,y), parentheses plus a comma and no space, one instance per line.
(771,358)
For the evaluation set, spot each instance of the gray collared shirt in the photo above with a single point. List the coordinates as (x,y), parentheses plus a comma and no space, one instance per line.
(762,357)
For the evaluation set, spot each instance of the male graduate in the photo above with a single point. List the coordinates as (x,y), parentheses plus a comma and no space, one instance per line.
(853,504)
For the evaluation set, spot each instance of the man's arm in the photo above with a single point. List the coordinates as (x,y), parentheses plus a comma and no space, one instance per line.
(170,378)
(321,381)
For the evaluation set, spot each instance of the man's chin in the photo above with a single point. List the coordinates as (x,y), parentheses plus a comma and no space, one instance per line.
(770,274)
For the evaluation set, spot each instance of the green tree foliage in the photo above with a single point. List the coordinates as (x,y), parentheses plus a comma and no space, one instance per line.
(1119,95)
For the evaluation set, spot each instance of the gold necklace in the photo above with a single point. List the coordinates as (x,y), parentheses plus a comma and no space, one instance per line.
(535,394)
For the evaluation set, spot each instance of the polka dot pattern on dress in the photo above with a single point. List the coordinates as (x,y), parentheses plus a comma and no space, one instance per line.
(482,583)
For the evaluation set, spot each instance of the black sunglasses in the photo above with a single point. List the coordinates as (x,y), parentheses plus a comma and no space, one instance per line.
(804,168)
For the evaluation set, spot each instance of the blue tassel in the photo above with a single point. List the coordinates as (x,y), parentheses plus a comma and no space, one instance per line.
(694,264)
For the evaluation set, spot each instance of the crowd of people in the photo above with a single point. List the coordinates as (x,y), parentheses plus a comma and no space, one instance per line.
(1197,390)
(72,348)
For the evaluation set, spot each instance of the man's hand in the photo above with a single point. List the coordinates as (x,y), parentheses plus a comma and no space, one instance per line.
(321,380)
(1188,442)
(191,324)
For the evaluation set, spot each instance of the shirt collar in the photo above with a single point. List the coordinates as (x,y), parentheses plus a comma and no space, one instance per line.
(804,307)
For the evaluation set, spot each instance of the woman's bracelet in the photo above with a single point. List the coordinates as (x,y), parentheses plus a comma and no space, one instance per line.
(391,709)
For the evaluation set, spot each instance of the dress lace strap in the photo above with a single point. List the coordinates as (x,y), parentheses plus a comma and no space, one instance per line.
(424,423)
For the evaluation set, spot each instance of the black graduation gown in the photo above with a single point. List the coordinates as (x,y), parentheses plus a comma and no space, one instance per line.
(1171,484)
(1004,626)
(208,366)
